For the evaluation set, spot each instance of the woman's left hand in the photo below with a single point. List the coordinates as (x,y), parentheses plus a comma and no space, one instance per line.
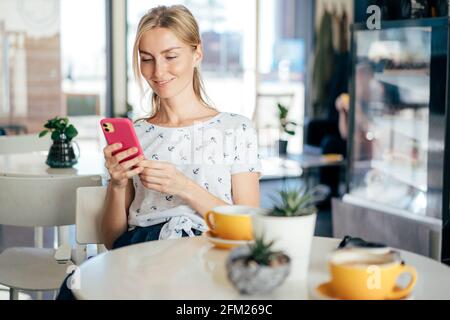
(163,177)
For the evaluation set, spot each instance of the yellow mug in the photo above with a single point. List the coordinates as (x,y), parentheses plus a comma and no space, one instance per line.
(231,222)
(361,275)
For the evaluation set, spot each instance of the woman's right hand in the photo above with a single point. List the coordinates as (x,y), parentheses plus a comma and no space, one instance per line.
(343,102)
(121,172)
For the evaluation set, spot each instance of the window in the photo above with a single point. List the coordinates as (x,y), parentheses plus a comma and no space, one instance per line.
(228,35)
(52,59)
(232,80)
(83,51)
(283,40)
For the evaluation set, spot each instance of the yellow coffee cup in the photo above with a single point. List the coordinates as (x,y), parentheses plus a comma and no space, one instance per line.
(232,222)
(361,275)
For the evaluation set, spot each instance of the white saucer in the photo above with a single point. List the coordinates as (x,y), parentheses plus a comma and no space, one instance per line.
(224,243)
(323,291)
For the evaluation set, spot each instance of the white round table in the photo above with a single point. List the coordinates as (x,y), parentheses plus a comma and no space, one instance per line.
(33,164)
(192,268)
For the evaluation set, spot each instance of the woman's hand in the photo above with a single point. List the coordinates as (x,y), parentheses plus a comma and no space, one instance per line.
(121,172)
(343,103)
(163,177)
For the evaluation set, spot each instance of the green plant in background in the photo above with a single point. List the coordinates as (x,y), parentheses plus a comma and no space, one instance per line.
(286,126)
(262,254)
(297,202)
(59,126)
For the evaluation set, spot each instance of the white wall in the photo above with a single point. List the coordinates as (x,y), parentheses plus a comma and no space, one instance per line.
(38,18)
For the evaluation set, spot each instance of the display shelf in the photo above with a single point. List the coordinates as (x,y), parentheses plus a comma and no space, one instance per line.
(403,172)
(434,223)
(399,130)
(405,79)
(412,129)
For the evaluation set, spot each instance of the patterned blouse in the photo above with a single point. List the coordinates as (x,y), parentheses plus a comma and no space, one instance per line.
(208,152)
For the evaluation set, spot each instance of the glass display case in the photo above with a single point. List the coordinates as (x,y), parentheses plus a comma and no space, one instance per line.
(398,120)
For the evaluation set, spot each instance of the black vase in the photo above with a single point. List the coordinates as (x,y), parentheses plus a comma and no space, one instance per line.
(282,147)
(61,154)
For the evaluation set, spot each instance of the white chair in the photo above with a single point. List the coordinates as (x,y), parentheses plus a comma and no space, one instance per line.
(89,211)
(31,202)
(24,143)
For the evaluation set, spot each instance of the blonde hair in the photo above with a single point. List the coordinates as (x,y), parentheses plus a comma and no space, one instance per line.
(182,23)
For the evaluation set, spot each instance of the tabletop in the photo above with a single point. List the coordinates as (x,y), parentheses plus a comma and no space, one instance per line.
(295,165)
(91,162)
(192,268)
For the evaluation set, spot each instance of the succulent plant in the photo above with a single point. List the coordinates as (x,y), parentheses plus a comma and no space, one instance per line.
(297,202)
(261,253)
(256,268)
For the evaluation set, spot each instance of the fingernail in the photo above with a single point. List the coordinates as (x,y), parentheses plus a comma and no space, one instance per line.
(119,145)
(134,149)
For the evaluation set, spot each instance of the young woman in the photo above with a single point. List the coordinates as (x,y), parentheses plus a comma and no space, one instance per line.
(195,158)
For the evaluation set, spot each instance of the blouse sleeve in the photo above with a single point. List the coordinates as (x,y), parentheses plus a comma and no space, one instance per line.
(246,157)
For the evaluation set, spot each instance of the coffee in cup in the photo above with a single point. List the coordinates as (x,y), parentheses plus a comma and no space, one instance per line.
(362,275)
(232,222)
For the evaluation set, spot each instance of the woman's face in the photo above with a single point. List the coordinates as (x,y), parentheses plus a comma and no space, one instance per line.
(167,63)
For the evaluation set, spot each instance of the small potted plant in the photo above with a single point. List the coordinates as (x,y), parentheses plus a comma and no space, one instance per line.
(291,224)
(256,268)
(61,153)
(286,128)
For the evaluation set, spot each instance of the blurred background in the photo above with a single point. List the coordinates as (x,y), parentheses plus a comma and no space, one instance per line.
(382,151)
(67,57)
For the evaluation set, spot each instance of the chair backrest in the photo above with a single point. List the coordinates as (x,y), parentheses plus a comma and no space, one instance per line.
(41,201)
(89,211)
(24,143)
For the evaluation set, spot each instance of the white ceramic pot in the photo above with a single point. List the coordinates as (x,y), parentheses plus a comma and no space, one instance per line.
(293,235)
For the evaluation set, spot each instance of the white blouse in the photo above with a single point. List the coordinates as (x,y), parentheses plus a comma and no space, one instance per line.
(208,153)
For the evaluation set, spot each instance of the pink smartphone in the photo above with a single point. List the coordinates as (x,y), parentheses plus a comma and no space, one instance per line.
(120,130)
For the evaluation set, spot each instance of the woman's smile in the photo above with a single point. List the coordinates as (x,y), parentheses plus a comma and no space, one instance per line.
(162,83)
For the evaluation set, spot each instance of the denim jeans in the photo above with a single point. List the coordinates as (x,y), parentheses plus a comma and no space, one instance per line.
(137,235)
